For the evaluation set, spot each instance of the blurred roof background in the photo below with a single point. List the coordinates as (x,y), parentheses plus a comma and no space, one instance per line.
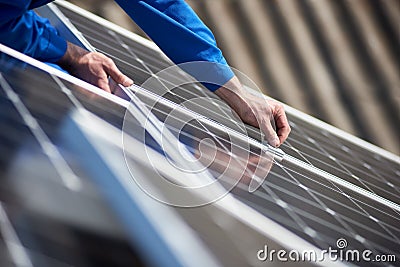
(336,60)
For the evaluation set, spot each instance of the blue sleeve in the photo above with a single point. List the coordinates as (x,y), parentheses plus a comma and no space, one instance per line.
(182,36)
(23,30)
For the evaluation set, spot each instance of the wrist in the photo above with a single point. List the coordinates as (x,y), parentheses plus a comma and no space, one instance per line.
(71,57)
(232,92)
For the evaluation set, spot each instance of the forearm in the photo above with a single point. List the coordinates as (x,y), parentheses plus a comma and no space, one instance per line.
(231,92)
(238,99)
(71,57)
(30,34)
(182,36)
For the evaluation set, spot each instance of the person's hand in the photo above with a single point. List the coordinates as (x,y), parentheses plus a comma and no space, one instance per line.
(92,67)
(256,111)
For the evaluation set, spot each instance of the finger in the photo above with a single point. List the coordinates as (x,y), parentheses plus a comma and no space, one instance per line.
(114,73)
(270,133)
(282,124)
(283,133)
(114,87)
(103,84)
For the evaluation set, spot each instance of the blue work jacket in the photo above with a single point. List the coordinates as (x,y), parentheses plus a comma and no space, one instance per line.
(171,24)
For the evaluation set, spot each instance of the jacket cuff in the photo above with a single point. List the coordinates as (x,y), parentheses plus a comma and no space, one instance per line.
(56,47)
(218,74)
(212,75)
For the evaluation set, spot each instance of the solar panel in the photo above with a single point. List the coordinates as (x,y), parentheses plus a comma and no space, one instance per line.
(326,187)
(362,207)
(310,143)
(61,201)
(39,177)
(89,150)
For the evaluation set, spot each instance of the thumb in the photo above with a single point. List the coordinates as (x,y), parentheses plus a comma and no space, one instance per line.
(120,78)
(270,133)
(117,75)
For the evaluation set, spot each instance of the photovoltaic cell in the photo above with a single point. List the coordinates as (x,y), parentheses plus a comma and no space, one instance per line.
(337,156)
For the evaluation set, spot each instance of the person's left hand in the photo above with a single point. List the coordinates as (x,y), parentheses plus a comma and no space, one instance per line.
(92,67)
(257,111)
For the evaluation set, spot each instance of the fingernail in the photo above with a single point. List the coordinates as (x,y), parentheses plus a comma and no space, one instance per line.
(130,81)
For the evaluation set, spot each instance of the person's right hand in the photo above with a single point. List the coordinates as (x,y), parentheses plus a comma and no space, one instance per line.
(92,67)
(257,111)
